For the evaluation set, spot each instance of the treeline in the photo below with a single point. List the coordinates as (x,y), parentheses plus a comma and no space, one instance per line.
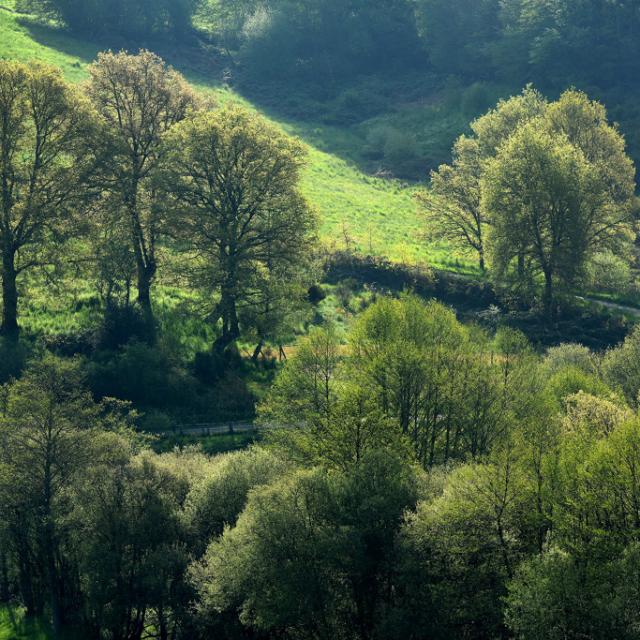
(129,19)
(555,44)
(110,178)
(428,480)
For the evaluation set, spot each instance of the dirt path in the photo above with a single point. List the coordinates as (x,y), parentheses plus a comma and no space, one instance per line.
(633,311)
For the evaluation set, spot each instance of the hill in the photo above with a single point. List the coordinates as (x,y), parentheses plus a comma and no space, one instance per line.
(373,215)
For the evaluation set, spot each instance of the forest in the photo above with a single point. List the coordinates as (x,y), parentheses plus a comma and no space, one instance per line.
(319,320)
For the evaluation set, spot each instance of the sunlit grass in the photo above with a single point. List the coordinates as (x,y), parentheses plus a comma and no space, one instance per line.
(358,212)
(373,216)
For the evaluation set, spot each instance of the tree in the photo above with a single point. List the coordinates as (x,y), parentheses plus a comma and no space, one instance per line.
(50,433)
(458,35)
(130,543)
(453,203)
(494,128)
(139,99)
(621,367)
(44,160)
(235,178)
(312,556)
(460,548)
(427,372)
(548,206)
(306,391)
(217,500)
(327,40)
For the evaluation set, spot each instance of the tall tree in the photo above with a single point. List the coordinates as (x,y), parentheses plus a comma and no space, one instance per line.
(235,177)
(48,438)
(548,203)
(453,206)
(44,125)
(139,99)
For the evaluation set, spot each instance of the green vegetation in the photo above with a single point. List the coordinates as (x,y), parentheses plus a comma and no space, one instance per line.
(429,478)
(372,215)
(233,400)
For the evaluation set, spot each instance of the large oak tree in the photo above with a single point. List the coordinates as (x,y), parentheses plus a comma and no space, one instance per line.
(44,128)
(244,223)
(139,99)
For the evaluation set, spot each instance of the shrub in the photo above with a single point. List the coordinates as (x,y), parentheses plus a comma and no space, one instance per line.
(570,355)
(120,325)
(609,273)
(143,375)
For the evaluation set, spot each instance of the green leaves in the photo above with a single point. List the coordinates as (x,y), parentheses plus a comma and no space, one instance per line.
(243,223)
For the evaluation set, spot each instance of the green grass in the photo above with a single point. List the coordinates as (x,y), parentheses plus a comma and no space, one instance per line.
(13,626)
(370,215)
(212,445)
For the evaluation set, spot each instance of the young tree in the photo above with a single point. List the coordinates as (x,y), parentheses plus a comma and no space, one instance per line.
(235,178)
(44,126)
(453,204)
(139,99)
(306,391)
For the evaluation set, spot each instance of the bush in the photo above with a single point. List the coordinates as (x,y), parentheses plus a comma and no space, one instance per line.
(316,294)
(13,358)
(122,324)
(142,375)
(570,355)
(476,100)
(608,273)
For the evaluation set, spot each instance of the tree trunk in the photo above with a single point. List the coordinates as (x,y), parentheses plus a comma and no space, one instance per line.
(145,263)
(32,604)
(145,278)
(4,577)
(230,323)
(483,266)
(521,266)
(9,327)
(257,351)
(548,293)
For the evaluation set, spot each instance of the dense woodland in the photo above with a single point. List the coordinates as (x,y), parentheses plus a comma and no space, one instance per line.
(447,458)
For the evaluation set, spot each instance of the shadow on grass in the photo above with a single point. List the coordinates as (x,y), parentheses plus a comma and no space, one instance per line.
(197,63)
(60,39)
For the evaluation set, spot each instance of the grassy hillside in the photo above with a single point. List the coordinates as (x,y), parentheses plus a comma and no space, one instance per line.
(373,215)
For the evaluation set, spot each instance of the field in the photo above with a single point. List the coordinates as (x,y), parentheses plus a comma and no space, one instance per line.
(374,216)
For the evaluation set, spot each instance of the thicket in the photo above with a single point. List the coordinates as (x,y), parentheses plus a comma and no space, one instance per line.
(428,480)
